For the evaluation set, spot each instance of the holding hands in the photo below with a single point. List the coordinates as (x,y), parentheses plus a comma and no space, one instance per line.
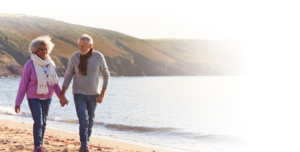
(63,101)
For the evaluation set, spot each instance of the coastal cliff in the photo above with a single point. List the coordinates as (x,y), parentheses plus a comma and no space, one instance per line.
(125,55)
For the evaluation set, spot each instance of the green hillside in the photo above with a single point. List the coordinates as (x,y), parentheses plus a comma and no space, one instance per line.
(125,55)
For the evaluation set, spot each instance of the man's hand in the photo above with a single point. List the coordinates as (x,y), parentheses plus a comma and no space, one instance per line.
(100,98)
(17,109)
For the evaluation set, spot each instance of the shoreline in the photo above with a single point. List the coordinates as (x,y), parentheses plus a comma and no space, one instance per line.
(19,135)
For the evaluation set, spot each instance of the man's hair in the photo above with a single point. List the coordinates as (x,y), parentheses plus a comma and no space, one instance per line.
(87,38)
(44,39)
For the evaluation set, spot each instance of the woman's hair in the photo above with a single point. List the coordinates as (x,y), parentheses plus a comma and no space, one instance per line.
(87,38)
(44,39)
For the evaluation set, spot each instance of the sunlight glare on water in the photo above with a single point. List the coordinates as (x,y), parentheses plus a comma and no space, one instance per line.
(172,113)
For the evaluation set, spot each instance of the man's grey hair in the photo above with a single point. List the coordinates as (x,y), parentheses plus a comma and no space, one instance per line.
(87,38)
(44,39)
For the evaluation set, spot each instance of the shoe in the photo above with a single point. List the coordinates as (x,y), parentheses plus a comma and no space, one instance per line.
(86,150)
(39,149)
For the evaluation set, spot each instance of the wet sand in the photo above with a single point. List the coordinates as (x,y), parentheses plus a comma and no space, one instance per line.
(17,136)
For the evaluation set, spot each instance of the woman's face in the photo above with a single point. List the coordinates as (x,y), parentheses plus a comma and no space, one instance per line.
(42,51)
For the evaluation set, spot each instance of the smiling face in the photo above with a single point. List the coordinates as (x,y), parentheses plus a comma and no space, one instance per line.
(42,51)
(84,47)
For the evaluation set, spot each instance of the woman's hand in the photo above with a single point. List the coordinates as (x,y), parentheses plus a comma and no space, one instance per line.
(17,109)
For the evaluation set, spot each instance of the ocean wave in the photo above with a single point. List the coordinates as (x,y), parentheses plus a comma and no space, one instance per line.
(7,111)
(169,131)
(62,119)
(120,127)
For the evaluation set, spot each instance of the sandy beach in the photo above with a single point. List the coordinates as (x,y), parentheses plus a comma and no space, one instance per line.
(17,136)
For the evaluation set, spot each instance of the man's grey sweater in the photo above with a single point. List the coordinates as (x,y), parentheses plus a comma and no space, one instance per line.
(87,85)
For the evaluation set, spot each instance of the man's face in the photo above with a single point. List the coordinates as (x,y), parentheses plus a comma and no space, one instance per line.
(83,46)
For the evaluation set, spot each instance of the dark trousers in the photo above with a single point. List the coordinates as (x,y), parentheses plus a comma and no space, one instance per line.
(85,108)
(39,111)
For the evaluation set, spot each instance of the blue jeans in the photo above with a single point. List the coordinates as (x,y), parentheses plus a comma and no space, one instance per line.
(85,108)
(39,111)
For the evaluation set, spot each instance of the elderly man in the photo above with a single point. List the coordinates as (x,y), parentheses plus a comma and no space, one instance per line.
(86,66)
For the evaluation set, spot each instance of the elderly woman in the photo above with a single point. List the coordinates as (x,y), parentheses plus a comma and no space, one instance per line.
(39,81)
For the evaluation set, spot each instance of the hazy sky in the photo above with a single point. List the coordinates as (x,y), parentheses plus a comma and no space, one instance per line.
(201,19)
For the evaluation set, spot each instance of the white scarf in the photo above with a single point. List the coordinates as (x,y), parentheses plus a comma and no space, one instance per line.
(50,76)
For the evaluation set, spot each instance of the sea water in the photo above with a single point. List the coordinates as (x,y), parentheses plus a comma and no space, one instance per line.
(194,113)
